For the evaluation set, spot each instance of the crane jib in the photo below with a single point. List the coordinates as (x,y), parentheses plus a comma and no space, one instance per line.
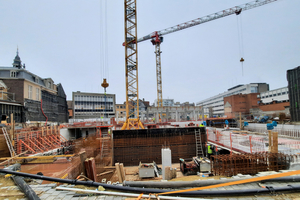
(234,10)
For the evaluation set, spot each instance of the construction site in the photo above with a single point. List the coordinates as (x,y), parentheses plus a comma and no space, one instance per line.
(200,158)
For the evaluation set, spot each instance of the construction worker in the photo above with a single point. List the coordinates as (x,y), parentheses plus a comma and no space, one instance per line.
(201,125)
(209,151)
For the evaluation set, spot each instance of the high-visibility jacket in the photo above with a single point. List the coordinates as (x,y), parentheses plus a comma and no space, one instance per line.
(201,125)
(209,151)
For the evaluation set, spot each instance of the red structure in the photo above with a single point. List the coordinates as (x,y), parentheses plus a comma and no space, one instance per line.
(36,140)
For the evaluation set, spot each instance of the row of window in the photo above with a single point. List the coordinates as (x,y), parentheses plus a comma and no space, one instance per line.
(92,98)
(121,106)
(253,89)
(91,111)
(274,95)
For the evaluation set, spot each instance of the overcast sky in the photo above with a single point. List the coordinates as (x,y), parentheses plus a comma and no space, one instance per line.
(61,39)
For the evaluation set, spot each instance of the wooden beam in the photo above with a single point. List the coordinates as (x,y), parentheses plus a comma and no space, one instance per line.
(119,172)
(122,171)
(37,157)
(104,173)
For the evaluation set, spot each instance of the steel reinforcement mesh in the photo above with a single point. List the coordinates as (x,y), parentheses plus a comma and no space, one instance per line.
(133,146)
(231,165)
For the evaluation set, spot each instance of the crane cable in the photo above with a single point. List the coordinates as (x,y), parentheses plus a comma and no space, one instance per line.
(103,40)
(240,40)
(104,49)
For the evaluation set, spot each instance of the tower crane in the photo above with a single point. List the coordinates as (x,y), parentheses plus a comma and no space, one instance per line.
(157,39)
(131,61)
(131,67)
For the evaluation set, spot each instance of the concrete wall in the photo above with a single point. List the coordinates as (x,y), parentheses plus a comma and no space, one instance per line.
(134,146)
(65,133)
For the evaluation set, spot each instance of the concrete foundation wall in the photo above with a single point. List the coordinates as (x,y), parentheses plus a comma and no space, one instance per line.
(134,146)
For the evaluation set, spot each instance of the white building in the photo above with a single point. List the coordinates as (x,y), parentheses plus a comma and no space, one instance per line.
(214,106)
(93,105)
(165,102)
(279,95)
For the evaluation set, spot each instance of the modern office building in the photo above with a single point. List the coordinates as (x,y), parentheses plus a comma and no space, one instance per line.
(279,95)
(40,98)
(93,105)
(165,102)
(214,106)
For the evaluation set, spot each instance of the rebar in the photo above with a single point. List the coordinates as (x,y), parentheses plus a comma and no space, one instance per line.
(231,165)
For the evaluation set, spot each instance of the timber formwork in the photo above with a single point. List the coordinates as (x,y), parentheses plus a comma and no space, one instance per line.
(36,140)
(133,146)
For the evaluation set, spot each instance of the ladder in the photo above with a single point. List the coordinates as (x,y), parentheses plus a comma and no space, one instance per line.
(199,150)
(8,142)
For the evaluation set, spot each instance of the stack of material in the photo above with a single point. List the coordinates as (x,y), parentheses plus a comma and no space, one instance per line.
(146,170)
(230,165)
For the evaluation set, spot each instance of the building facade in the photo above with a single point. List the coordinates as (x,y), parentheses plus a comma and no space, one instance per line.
(293,78)
(121,111)
(41,99)
(240,104)
(279,95)
(214,106)
(93,105)
(165,102)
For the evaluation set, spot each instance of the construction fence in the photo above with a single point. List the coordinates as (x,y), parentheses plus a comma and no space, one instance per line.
(237,142)
(287,131)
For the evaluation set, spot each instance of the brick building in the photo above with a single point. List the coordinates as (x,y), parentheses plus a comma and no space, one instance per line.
(39,98)
(240,103)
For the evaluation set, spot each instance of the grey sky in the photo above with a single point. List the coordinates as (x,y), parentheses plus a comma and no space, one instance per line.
(61,39)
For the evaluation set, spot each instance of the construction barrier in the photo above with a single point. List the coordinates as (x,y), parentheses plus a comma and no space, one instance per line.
(238,142)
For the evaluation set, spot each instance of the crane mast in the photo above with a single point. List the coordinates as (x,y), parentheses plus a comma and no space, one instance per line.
(156,37)
(131,67)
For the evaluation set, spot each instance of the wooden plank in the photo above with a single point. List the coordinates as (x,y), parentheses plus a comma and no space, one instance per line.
(87,168)
(122,171)
(275,142)
(93,168)
(82,159)
(108,172)
(104,138)
(119,172)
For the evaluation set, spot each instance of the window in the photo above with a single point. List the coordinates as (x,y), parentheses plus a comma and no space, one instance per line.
(270,95)
(253,89)
(283,93)
(13,74)
(36,80)
(49,84)
(37,97)
(29,92)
